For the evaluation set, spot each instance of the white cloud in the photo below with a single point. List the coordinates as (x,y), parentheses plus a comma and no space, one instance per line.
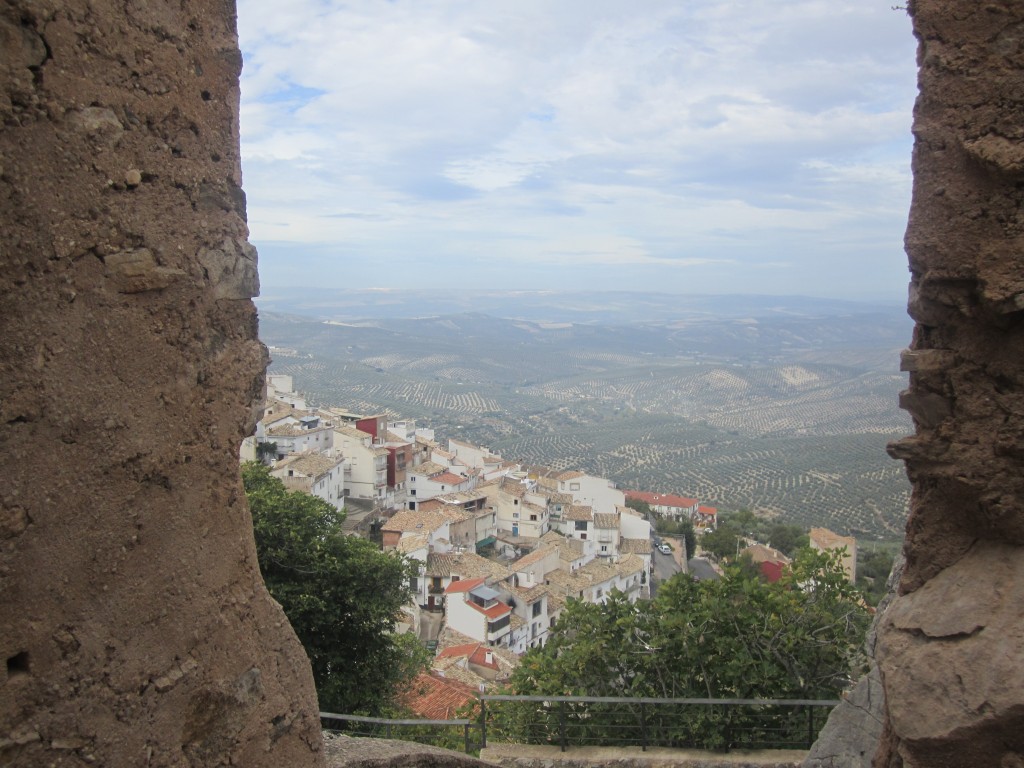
(584,131)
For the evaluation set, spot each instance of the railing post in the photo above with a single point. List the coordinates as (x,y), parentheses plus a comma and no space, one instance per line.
(483,723)
(466,735)
(643,727)
(810,726)
(561,724)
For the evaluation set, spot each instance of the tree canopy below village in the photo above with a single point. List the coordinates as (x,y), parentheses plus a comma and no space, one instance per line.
(737,637)
(340,593)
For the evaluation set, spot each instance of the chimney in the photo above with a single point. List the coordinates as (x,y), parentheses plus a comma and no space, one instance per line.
(488,657)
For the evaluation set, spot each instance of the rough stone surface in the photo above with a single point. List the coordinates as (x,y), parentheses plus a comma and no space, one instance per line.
(852,734)
(950,647)
(134,624)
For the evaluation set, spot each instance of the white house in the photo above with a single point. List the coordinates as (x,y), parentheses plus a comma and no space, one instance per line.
(368,463)
(476,611)
(599,493)
(430,479)
(314,473)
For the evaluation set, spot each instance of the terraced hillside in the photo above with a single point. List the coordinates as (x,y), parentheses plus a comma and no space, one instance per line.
(788,415)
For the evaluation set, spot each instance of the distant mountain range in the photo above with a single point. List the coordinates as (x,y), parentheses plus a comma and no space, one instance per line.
(585,307)
(779,404)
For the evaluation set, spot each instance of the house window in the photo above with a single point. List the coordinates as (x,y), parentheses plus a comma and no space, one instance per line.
(604,548)
(414,584)
(536,608)
(574,486)
(583,536)
(581,525)
(412,492)
(533,517)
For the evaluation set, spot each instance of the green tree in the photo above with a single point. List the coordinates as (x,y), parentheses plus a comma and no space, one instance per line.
(736,636)
(787,538)
(340,593)
(265,452)
(721,542)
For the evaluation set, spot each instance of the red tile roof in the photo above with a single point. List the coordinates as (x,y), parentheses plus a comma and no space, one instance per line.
(464,585)
(448,477)
(475,652)
(662,499)
(436,698)
(495,611)
(707,510)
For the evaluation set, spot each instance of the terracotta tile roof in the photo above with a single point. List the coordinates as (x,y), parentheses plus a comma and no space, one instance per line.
(310,464)
(413,520)
(409,544)
(435,698)
(439,564)
(449,478)
(571,474)
(495,611)
(464,585)
(428,468)
(827,539)
(560,498)
(513,487)
(455,513)
(348,431)
(530,594)
(635,546)
(662,499)
(579,512)
(759,553)
(707,510)
(469,565)
(606,520)
(533,557)
(461,497)
(294,430)
(568,549)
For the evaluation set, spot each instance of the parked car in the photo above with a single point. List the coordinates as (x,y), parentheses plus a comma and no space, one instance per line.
(665,549)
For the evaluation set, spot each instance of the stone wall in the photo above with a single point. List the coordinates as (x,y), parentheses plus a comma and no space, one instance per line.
(133,621)
(951,646)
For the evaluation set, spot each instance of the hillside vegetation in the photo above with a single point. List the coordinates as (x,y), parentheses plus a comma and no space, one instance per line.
(785,413)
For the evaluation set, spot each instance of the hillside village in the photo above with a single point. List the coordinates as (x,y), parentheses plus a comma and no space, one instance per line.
(501,546)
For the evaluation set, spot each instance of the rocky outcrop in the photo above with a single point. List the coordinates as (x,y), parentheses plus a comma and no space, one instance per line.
(950,648)
(850,737)
(133,621)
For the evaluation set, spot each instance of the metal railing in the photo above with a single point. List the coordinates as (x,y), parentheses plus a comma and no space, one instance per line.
(714,724)
(564,721)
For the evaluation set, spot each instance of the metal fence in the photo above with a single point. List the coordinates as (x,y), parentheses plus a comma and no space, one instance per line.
(714,724)
(564,721)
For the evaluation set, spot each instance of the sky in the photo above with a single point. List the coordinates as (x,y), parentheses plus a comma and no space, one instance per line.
(679,146)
